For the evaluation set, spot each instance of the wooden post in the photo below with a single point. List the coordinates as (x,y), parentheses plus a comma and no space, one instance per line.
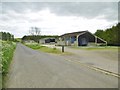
(62,48)
(77,40)
(96,40)
(106,43)
(70,41)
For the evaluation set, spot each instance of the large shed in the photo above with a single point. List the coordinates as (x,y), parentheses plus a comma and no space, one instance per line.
(47,40)
(82,38)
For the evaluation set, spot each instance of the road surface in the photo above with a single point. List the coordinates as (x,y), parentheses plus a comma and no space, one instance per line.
(104,59)
(34,69)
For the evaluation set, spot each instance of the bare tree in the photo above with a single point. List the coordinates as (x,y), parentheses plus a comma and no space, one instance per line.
(35,31)
(31,31)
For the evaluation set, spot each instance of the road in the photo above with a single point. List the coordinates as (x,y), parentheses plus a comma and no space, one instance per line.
(35,69)
(104,59)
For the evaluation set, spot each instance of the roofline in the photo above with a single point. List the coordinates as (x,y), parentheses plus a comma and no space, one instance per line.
(82,33)
(73,32)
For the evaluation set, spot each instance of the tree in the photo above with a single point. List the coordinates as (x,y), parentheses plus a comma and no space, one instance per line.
(100,33)
(35,31)
(111,35)
(6,36)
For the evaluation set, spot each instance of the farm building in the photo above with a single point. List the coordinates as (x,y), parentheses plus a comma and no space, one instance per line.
(82,38)
(47,40)
(28,41)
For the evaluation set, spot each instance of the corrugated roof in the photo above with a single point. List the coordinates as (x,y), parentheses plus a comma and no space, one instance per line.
(73,33)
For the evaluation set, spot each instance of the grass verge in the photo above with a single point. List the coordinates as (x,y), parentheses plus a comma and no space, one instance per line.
(96,47)
(46,49)
(7,51)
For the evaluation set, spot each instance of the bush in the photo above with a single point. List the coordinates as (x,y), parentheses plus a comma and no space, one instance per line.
(7,54)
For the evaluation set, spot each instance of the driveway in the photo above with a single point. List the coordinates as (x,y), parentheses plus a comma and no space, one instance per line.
(34,69)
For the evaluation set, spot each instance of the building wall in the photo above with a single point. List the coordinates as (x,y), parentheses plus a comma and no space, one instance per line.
(70,40)
(90,39)
(84,39)
(42,41)
(47,40)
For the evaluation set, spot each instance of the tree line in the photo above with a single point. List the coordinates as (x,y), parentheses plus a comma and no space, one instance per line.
(6,36)
(111,35)
(36,38)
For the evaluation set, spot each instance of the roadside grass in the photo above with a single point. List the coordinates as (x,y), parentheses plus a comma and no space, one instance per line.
(96,47)
(7,52)
(50,50)
(0,64)
(0,81)
(46,49)
(34,46)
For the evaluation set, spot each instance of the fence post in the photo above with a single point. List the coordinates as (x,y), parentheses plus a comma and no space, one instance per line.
(62,48)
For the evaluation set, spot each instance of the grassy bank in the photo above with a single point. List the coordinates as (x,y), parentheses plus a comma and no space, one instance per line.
(45,49)
(96,47)
(7,50)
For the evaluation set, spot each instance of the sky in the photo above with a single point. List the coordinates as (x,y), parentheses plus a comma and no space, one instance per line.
(57,18)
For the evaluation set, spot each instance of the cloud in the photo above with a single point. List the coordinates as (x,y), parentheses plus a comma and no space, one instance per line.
(57,18)
(84,9)
(60,0)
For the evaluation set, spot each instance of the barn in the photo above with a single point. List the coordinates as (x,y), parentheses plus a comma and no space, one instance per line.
(47,40)
(82,38)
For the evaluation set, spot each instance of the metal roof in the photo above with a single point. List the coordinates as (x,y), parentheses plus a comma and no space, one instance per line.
(73,33)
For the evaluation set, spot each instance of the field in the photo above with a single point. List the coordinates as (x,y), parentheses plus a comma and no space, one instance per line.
(6,54)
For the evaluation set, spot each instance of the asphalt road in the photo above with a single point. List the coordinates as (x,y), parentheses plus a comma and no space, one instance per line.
(106,59)
(34,69)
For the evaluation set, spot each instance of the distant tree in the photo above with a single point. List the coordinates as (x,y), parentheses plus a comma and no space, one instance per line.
(38,37)
(0,35)
(6,36)
(111,35)
(35,31)
(100,33)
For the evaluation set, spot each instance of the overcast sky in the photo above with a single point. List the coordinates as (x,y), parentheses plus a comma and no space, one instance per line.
(56,18)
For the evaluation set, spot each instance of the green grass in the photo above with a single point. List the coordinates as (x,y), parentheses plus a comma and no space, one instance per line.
(0,81)
(50,50)
(45,49)
(34,46)
(7,55)
(96,47)
(18,39)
